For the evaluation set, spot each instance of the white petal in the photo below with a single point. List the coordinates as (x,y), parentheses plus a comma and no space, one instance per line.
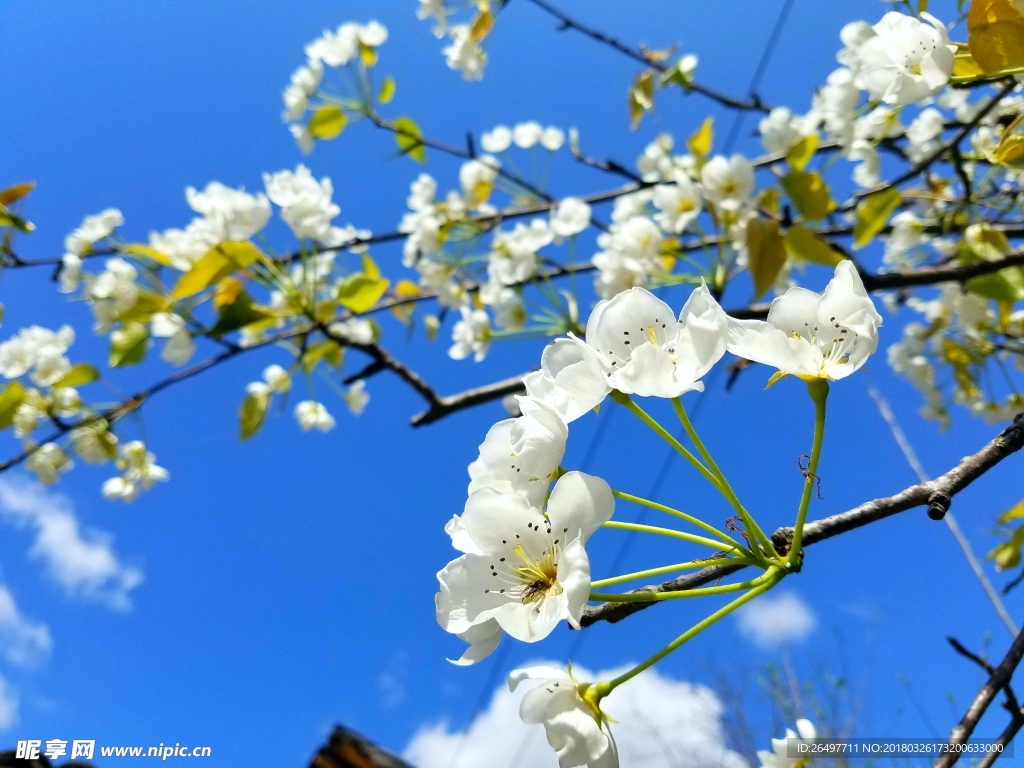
(483,639)
(579,502)
(763,343)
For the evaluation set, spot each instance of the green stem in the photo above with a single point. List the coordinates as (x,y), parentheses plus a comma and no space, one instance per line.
(681,515)
(624,399)
(669,569)
(752,527)
(818,390)
(773,577)
(647,597)
(673,534)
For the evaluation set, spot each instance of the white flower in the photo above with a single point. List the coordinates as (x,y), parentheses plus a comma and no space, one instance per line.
(242,215)
(305,80)
(434,9)
(373,34)
(899,60)
(571,378)
(277,378)
(632,253)
(354,330)
(186,246)
(513,256)
(570,217)
(48,462)
(476,177)
(305,203)
(781,129)
(336,49)
(38,350)
(552,139)
(26,418)
(464,53)
(728,183)
(525,135)
(93,229)
(179,347)
(779,756)
(868,173)
(93,443)
(923,132)
(112,292)
(70,272)
(303,138)
(810,335)
(313,415)
(119,489)
(498,139)
(506,304)
(522,454)
(471,335)
(644,350)
(576,730)
(907,234)
(140,468)
(530,571)
(357,397)
(679,204)
(66,401)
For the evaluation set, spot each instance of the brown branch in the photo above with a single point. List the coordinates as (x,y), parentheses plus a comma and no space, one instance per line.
(348,749)
(452,403)
(567,22)
(942,488)
(999,679)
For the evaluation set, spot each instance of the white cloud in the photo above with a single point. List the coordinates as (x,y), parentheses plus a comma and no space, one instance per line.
(661,723)
(81,560)
(8,705)
(22,641)
(775,619)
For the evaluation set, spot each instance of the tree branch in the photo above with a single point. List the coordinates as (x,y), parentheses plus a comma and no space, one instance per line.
(999,679)
(347,749)
(452,403)
(939,490)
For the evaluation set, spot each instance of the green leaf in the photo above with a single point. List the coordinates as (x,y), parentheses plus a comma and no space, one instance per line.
(801,153)
(128,344)
(81,373)
(327,122)
(220,261)
(8,219)
(809,193)
(872,215)
(802,243)
(767,254)
(360,292)
(11,397)
(239,313)
(327,349)
(1005,285)
(252,414)
(387,91)
(407,136)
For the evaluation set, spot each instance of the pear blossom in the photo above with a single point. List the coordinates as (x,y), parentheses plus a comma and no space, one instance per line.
(657,163)
(184,247)
(476,177)
(868,173)
(94,443)
(779,756)
(498,139)
(644,350)
(678,204)
(728,183)
(48,462)
(835,103)
(306,204)
(70,273)
(530,571)
(277,378)
(522,454)
(357,397)
(242,215)
(119,489)
(471,335)
(781,129)
(577,730)
(907,235)
(901,59)
(140,473)
(313,415)
(830,335)
(570,217)
(93,229)
(39,352)
(434,9)
(923,132)
(354,330)
(506,304)
(179,347)
(112,292)
(26,419)
(305,80)
(303,138)
(571,378)
(464,53)
(631,254)
(526,135)
(66,401)
(513,256)
(338,48)
(552,138)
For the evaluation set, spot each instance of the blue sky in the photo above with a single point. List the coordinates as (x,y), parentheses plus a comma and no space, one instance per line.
(289,580)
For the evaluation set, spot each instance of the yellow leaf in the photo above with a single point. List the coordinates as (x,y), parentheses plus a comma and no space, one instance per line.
(13,396)
(1010,150)
(80,374)
(922,6)
(775,378)
(211,267)
(802,243)
(1005,555)
(482,26)
(387,91)
(872,215)
(404,289)
(252,414)
(964,65)
(767,254)
(995,34)
(370,268)
(128,344)
(327,122)
(146,305)
(367,54)
(138,249)
(809,193)
(801,153)
(700,142)
(15,193)
(768,199)
(359,292)
(641,97)
(227,291)
(242,253)
(407,136)
(327,349)
(1015,512)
